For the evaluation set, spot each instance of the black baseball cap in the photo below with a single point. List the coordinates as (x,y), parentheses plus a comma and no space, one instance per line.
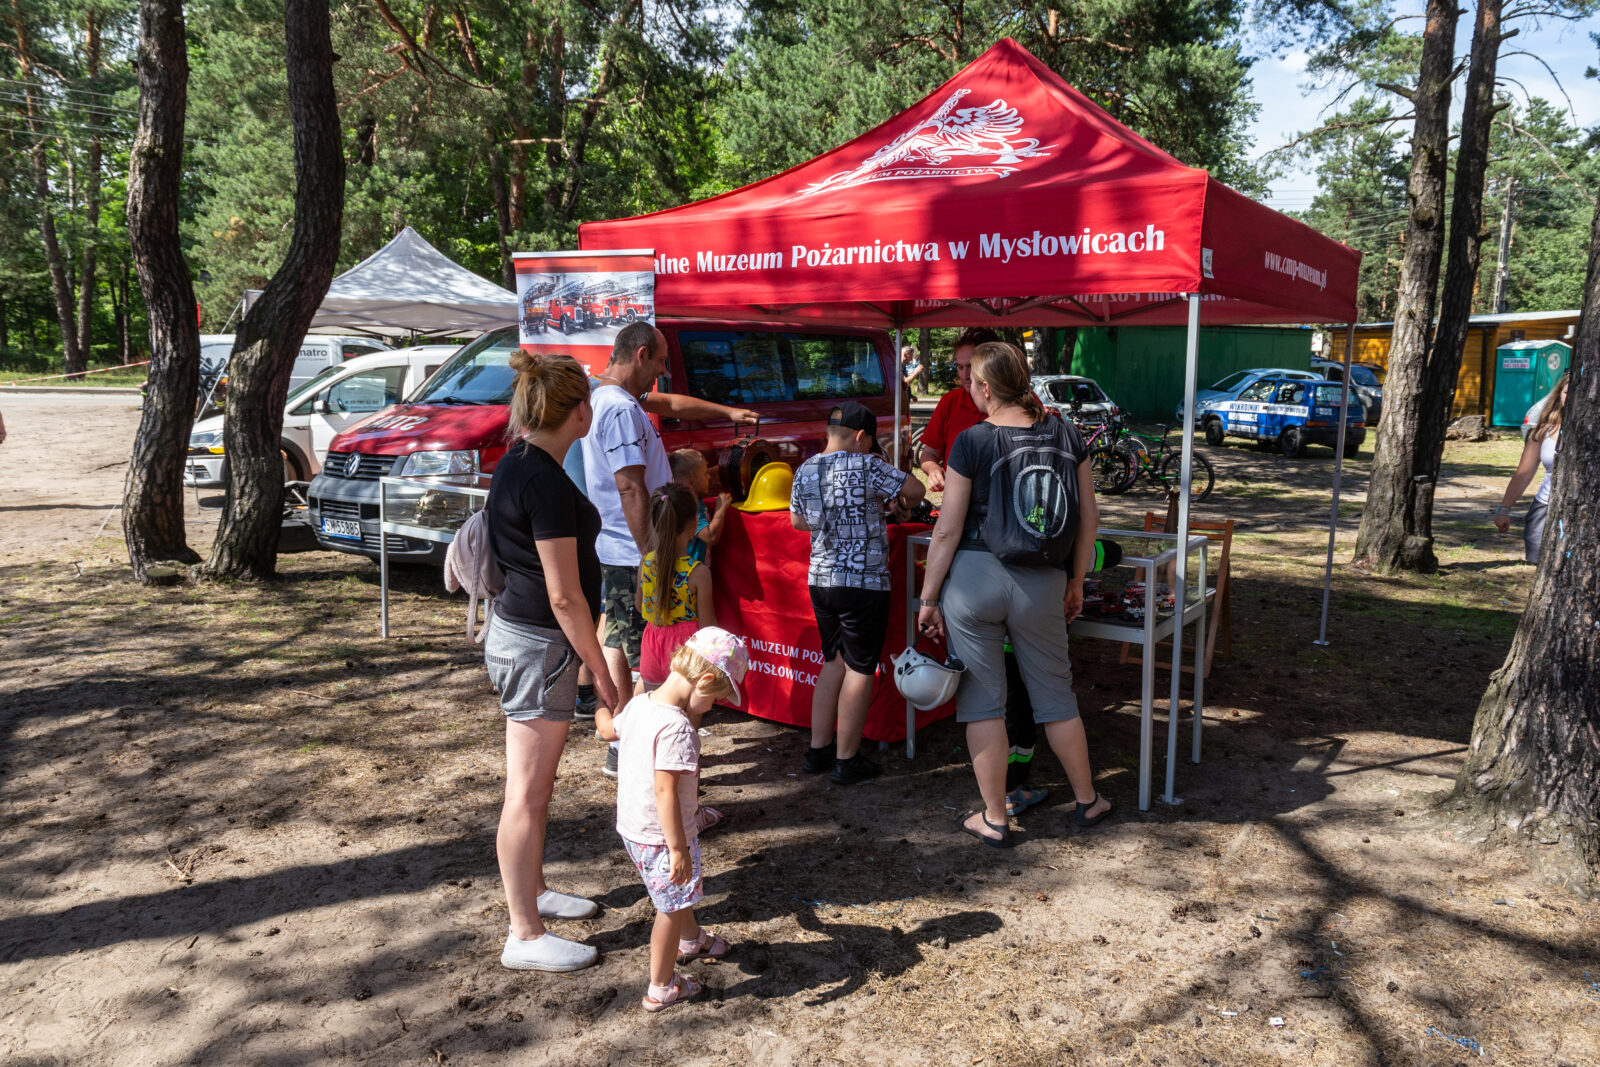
(854,415)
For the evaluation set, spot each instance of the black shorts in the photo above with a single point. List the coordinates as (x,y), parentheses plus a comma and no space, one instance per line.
(852,623)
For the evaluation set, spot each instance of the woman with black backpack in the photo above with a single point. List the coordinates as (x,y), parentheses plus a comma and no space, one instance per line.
(1015,537)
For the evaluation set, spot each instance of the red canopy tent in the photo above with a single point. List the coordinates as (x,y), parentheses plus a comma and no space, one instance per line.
(1004,197)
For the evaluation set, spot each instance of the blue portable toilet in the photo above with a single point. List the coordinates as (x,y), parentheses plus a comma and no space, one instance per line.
(1524,371)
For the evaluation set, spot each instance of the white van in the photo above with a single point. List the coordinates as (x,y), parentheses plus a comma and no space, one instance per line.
(316,355)
(319,409)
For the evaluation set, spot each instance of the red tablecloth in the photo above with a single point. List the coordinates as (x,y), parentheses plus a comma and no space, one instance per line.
(759,570)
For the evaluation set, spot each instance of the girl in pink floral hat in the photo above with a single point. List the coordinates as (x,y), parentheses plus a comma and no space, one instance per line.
(658,773)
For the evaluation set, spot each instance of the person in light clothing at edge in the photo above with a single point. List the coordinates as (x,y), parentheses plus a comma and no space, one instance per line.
(1539,448)
(984,600)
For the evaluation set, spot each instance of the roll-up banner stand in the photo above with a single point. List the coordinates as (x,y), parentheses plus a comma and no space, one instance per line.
(575,302)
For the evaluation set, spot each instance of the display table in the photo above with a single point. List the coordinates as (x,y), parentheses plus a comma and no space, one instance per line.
(1148,558)
(759,572)
(430,507)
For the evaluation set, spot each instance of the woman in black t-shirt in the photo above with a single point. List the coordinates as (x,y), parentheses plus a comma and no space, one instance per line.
(542,532)
(984,600)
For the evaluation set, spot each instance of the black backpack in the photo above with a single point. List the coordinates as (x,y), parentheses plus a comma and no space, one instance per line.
(1033,494)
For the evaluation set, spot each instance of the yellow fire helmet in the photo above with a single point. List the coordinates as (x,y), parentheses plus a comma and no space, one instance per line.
(769,490)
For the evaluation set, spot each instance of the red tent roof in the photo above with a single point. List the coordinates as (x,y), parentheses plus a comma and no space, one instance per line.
(1005,196)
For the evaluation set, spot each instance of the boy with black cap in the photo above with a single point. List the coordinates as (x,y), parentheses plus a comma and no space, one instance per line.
(839,497)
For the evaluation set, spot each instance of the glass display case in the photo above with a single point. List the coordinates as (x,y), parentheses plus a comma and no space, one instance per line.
(1117,599)
(429,507)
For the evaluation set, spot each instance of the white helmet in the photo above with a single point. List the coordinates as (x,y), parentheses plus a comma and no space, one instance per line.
(925,681)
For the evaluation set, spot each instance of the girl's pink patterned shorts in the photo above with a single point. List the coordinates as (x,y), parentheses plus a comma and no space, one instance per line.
(655,867)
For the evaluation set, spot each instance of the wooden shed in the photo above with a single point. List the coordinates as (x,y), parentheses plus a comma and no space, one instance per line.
(1475,386)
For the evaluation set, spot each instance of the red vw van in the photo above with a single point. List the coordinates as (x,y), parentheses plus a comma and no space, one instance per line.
(790,375)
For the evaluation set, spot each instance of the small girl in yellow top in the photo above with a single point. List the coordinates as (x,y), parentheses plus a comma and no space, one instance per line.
(674,600)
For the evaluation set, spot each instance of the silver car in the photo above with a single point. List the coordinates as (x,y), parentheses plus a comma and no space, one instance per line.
(1076,398)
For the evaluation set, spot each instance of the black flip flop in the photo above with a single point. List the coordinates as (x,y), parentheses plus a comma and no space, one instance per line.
(1004,830)
(1088,824)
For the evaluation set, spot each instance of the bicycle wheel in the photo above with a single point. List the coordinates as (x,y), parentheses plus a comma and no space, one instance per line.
(1114,470)
(1201,476)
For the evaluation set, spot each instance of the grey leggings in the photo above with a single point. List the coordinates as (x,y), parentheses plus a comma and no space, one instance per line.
(983,601)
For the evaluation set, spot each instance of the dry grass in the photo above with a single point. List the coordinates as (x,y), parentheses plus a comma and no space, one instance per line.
(241,828)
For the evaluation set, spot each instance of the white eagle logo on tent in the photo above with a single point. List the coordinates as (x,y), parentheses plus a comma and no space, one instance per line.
(928,148)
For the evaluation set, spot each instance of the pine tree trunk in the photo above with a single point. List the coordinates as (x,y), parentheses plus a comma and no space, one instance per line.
(152,515)
(1398,516)
(55,262)
(1443,365)
(1534,761)
(91,207)
(502,214)
(269,336)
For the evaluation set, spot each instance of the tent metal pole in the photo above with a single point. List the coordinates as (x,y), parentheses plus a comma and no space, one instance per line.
(899,394)
(1338,481)
(1180,577)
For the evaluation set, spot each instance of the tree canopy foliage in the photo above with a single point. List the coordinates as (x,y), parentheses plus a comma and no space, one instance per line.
(495,127)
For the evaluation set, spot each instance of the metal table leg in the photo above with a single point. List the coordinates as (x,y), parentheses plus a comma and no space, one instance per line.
(1147,688)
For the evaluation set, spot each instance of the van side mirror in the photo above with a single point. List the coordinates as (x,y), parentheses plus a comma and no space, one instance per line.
(320,404)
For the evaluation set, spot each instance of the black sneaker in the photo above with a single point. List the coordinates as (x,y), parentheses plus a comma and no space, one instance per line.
(610,768)
(819,759)
(586,705)
(857,768)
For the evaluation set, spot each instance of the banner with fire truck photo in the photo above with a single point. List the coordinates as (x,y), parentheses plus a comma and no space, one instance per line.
(575,302)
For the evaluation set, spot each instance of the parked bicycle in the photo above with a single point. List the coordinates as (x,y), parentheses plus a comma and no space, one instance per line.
(1114,469)
(1151,456)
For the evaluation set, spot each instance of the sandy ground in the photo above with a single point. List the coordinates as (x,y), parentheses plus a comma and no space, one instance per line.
(61,469)
(236,827)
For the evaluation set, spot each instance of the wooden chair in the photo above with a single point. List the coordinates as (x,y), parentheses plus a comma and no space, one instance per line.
(1221,621)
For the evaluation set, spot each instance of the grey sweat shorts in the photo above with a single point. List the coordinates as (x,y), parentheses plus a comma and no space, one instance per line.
(983,601)
(534,670)
(1533,530)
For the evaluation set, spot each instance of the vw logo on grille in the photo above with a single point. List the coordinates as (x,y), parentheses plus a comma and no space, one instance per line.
(352,465)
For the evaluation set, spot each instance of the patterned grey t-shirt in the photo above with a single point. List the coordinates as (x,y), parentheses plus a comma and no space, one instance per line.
(840,496)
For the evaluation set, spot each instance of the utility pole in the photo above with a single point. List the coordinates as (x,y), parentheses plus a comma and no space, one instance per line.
(1500,265)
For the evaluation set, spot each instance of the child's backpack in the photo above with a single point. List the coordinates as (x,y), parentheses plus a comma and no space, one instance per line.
(469,564)
(1033,495)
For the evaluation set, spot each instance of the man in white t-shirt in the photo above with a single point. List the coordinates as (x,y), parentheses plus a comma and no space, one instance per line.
(624,461)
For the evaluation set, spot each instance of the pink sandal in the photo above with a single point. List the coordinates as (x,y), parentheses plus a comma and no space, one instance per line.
(682,987)
(706,818)
(708,946)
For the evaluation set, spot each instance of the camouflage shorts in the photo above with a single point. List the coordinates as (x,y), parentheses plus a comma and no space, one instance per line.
(624,625)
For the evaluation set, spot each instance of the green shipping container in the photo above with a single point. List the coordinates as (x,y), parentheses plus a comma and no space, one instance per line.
(1141,367)
(1524,371)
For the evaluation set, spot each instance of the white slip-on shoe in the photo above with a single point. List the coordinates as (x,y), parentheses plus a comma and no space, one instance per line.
(547,953)
(553,905)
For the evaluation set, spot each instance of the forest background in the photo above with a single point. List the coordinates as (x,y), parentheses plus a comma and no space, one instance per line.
(494,127)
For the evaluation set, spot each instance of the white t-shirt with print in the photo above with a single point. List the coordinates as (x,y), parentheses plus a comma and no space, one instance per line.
(654,737)
(621,436)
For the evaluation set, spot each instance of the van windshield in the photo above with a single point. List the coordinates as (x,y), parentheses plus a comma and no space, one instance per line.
(758,367)
(310,387)
(478,374)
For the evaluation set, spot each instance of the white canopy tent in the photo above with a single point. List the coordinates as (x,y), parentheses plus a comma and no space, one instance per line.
(408,288)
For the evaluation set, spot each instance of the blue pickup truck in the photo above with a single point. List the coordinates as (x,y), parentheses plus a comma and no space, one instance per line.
(1289,412)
